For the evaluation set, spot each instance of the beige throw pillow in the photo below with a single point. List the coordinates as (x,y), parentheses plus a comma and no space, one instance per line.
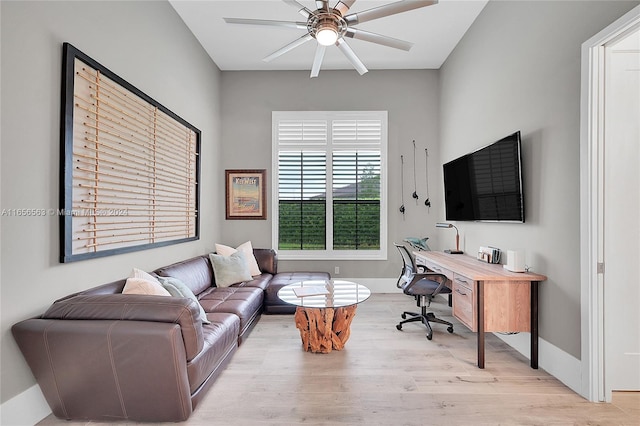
(247,250)
(140,282)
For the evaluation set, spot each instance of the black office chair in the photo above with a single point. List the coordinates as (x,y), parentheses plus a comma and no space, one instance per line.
(423,287)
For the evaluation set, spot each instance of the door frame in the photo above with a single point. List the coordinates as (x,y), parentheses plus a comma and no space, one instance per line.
(592,207)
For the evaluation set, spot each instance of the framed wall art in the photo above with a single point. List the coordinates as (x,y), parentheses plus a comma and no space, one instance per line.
(245,192)
(130,167)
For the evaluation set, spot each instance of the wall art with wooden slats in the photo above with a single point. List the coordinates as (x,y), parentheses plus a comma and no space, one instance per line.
(130,167)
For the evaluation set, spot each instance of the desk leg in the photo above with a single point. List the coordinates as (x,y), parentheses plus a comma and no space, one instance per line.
(480,307)
(534,324)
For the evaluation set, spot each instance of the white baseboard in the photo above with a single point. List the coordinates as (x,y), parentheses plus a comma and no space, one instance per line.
(553,360)
(25,409)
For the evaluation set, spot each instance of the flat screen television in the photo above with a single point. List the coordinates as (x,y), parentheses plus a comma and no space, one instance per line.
(486,185)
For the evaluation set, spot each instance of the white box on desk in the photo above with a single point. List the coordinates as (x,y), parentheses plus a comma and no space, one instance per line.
(515,261)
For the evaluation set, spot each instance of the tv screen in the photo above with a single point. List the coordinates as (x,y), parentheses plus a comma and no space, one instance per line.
(486,185)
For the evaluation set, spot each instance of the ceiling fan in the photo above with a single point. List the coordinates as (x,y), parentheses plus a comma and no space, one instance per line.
(330,25)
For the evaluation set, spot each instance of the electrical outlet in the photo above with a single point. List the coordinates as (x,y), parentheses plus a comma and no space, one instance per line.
(336,270)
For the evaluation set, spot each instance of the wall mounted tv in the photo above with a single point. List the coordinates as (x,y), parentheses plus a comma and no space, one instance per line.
(486,185)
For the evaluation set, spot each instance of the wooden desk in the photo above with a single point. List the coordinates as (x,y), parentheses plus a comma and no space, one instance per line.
(489,298)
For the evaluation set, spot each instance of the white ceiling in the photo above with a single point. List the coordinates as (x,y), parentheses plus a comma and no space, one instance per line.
(434,30)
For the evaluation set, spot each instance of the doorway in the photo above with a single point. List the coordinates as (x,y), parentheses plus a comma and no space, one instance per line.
(610,209)
(621,191)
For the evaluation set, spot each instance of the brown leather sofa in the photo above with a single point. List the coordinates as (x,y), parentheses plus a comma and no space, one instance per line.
(103,355)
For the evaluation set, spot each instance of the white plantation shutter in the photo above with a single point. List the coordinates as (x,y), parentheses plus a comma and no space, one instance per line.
(302,132)
(330,186)
(356,132)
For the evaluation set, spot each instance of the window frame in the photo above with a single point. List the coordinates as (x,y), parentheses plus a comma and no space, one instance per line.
(330,148)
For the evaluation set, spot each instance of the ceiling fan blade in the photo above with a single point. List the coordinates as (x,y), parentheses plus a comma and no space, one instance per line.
(378,39)
(302,40)
(386,10)
(343,6)
(351,56)
(288,24)
(301,9)
(322,5)
(317,61)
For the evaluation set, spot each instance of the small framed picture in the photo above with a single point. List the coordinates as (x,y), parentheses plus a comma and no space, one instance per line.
(245,192)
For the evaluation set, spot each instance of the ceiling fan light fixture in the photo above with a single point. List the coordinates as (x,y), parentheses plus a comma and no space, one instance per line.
(327,33)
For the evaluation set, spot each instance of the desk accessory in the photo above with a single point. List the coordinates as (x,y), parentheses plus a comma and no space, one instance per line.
(515,261)
(449,225)
(418,243)
(489,254)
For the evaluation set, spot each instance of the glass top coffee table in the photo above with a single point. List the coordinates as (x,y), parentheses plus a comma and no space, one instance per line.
(325,309)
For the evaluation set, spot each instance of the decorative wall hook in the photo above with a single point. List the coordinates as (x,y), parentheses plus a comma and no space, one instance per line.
(415,188)
(427,202)
(402,184)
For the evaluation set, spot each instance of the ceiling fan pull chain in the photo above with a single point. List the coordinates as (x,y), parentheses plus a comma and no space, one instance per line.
(402,184)
(427,202)
(415,186)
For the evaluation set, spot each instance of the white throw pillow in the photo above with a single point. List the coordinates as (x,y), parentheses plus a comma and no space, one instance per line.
(142,286)
(139,273)
(247,250)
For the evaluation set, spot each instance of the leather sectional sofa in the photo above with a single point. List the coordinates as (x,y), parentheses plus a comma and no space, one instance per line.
(103,355)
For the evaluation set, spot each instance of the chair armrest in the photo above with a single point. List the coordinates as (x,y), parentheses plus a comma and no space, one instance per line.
(133,307)
(432,276)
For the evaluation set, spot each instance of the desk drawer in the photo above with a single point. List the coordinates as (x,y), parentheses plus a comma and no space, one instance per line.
(433,267)
(464,302)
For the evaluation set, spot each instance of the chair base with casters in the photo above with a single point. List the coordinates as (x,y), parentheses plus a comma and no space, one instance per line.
(423,286)
(425,317)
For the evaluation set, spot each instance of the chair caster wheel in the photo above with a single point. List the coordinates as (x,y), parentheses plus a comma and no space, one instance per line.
(450,329)
(429,336)
(399,327)
(404,316)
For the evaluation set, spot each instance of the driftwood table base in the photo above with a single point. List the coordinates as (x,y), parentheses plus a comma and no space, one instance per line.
(324,329)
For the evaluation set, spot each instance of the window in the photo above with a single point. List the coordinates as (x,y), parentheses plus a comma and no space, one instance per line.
(329,184)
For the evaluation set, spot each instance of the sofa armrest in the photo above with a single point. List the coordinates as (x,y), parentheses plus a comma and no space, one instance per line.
(108,370)
(133,307)
(267,260)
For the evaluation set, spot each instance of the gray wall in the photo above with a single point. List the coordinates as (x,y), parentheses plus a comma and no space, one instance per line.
(143,42)
(518,68)
(410,97)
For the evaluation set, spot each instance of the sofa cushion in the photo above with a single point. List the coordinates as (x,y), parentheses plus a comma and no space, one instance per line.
(247,250)
(261,281)
(245,302)
(220,338)
(231,269)
(267,260)
(196,273)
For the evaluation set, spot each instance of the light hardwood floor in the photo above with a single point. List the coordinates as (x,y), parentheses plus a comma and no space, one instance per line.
(390,377)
